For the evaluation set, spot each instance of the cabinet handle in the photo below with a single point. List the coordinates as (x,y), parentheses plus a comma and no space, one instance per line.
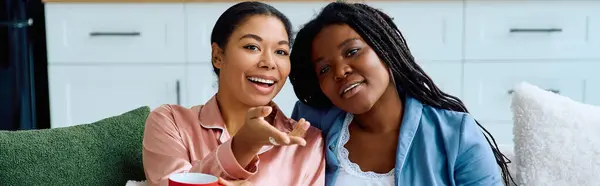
(178,91)
(535,30)
(131,34)
(550,90)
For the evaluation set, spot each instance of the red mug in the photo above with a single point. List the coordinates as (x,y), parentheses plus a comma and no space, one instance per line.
(193,179)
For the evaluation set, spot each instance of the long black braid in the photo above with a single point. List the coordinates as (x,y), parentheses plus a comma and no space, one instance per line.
(382,34)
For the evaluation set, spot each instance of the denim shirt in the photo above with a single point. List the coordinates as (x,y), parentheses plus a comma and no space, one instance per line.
(435,146)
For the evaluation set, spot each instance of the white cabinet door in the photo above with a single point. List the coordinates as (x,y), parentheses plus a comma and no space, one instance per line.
(507,30)
(446,75)
(202,84)
(201,18)
(299,13)
(115,33)
(488,86)
(84,94)
(592,91)
(432,29)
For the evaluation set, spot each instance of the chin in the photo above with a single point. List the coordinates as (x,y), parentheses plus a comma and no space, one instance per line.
(257,100)
(250,97)
(357,107)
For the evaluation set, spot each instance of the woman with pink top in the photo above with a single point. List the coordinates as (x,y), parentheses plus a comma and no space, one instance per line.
(239,134)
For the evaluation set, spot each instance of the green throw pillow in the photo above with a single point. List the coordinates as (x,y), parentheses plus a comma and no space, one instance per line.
(107,152)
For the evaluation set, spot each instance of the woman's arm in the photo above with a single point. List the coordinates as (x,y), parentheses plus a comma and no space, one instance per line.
(475,164)
(164,153)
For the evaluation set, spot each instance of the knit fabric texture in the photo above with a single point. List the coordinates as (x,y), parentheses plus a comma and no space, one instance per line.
(106,152)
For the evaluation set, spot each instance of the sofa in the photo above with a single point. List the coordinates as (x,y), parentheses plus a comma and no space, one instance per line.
(106,152)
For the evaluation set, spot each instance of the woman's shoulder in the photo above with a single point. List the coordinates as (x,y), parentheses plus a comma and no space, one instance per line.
(458,128)
(445,116)
(175,115)
(319,118)
(169,110)
(451,126)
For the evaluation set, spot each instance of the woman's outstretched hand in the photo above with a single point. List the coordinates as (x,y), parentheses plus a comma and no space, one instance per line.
(234,183)
(257,132)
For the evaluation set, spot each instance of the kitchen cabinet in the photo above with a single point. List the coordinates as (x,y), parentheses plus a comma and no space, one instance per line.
(107,58)
(446,75)
(432,29)
(201,18)
(82,33)
(84,94)
(488,86)
(299,13)
(592,93)
(202,83)
(542,30)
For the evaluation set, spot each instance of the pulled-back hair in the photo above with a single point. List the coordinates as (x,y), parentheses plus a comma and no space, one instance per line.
(382,34)
(238,14)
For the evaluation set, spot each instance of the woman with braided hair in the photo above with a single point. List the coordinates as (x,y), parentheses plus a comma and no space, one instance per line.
(384,120)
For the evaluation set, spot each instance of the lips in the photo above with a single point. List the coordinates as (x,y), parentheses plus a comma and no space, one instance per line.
(262,83)
(261,80)
(349,86)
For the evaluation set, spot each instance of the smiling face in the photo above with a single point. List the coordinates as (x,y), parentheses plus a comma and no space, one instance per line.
(255,62)
(350,73)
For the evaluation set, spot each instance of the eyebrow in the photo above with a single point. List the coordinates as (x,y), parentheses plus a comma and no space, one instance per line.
(259,39)
(252,36)
(345,42)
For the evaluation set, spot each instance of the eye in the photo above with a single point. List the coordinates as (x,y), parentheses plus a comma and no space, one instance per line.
(282,52)
(252,47)
(324,69)
(351,52)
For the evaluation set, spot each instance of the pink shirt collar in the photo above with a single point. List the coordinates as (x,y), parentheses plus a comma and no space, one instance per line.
(210,117)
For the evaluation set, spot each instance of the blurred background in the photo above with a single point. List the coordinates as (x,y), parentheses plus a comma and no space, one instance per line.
(72,62)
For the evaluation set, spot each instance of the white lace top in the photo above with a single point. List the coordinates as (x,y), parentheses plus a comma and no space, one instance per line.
(350,173)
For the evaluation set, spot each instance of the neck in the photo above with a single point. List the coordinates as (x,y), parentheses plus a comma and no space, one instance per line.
(232,111)
(385,116)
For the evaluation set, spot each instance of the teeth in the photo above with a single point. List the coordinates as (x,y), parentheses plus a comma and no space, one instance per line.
(351,87)
(261,80)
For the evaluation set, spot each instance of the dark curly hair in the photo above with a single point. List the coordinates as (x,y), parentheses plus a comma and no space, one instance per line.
(382,34)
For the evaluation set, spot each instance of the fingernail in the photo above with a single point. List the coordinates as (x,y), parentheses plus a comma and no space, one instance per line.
(306,125)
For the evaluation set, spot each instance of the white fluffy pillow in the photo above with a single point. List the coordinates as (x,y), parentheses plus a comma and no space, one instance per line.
(557,140)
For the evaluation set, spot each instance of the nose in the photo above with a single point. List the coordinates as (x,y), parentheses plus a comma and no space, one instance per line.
(342,71)
(266,61)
